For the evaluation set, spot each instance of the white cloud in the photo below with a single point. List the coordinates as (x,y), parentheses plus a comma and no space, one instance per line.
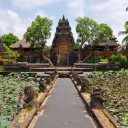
(27,4)
(113,13)
(43,14)
(11,22)
(76,7)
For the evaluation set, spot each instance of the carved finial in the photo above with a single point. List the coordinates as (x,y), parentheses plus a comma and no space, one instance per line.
(63,18)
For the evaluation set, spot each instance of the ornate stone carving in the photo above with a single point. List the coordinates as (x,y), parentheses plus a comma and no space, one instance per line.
(42,85)
(84,85)
(63,41)
(97,98)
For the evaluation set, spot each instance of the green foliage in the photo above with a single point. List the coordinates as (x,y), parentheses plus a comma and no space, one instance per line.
(9,52)
(104,60)
(9,39)
(114,59)
(118,59)
(89,31)
(96,59)
(46,51)
(86,29)
(1,68)
(100,74)
(104,32)
(114,86)
(91,60)
(125,64)
(76,45)
(39,31)
(11,88)
(9,55)
(125,40)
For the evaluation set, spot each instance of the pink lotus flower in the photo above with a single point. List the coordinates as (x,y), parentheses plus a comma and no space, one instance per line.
(20,99)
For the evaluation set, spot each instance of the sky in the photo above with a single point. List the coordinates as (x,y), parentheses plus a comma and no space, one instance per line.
(17,15)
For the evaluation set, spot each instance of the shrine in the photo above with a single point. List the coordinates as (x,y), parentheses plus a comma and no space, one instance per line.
(62,44)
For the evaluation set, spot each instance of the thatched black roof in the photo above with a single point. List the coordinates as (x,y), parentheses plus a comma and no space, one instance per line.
(110,42)
(20,43)
(23,44)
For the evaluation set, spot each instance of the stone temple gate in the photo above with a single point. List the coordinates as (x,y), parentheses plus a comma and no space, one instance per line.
(63,42)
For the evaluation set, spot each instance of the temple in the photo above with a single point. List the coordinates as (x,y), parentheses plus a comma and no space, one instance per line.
(109,45)
(63,41)
(27,53)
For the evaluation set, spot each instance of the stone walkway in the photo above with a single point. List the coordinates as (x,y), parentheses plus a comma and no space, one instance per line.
(64,108)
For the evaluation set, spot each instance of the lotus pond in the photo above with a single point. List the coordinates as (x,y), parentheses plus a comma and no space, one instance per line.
(10,88)
(115,88)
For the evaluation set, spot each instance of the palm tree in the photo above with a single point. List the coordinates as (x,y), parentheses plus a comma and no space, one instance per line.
(125,32)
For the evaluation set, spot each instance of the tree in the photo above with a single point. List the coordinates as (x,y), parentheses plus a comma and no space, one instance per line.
(76,45)
(92,33)
(46,50)
(125,32)
(103,33)
(89,31)
(85,28)
(9,39)
(39,32)
(9,55)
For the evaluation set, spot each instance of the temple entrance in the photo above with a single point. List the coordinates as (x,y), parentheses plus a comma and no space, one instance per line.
(63,55)
(62,43)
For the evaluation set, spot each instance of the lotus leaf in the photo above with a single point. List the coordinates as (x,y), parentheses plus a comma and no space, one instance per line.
(115,87)
(10,88)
